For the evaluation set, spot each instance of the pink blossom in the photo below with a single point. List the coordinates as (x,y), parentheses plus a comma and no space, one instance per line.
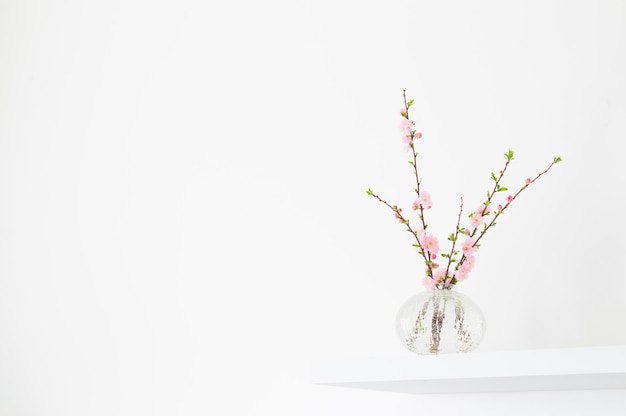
(433,256)
(468,247)
(418,135)
(466,231)
(482,210)
(408,142)
(500,207)
(528,181)
(440,276)
(406,126)
(428,283)
(424,200)
(430,244)
(461,274)
(476,220)
(509,199)
(469,262)
(464,269)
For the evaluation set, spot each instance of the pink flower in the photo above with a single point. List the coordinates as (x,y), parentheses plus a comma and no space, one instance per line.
(468,247)
(464,269)
(500,207)
(433,256)
(466,231)
(469,263)
(461,274)
(418,135)
(430,244)
(424,200)
(428,283)
(482,210)
(440,276)
(476,220)
(509,199)
(408,141)
(406,126)
(528,181)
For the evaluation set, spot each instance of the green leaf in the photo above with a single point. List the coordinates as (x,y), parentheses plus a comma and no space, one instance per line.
(409,103)
(557,159)
(370,192)
(493,176)
(502,189)
(509,155)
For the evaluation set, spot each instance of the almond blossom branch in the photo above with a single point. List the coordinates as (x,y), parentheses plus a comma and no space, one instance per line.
(409,138)
(454,237)
(472,245)
(510,198)
(496,188)
(425,253)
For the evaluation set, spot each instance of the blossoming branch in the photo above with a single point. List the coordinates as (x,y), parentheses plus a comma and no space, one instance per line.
(459,261)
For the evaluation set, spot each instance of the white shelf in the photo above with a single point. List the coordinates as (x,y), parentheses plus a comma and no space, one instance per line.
(531,370)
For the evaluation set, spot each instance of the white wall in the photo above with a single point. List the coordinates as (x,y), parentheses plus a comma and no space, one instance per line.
(183,218)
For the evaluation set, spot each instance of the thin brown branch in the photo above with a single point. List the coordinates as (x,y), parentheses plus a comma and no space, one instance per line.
(456,235)
(425,254)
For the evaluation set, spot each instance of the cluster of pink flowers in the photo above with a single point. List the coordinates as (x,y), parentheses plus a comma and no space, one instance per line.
(408,134)
(459,260)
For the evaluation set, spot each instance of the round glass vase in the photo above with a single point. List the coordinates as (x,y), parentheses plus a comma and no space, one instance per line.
(440,321)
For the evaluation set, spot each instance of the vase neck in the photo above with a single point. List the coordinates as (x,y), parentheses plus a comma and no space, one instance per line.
(443,289)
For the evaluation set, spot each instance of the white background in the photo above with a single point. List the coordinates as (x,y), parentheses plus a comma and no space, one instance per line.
(183,217)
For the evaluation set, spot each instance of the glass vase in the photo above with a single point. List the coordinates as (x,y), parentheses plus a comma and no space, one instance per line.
(440,321)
